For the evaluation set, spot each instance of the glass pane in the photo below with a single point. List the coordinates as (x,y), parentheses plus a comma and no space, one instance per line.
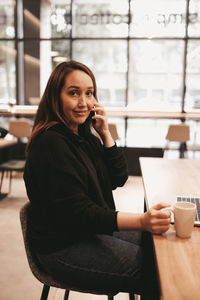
(39,60)
(46,19)
(7,19)
(60,51)
(192,97)
(100,18)
(157,18)
(152,134)
(155,81)
(194,18)
(7,72)
(109,66)
(148,133)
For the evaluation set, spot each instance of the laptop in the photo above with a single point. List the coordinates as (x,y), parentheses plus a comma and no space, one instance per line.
(195,200)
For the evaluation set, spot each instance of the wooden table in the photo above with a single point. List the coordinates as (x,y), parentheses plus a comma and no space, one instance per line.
(178,260)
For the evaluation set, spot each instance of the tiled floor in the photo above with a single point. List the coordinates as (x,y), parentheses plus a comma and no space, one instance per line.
(16,279)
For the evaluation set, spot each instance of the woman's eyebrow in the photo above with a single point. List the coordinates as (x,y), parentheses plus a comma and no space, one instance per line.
(73,87)
(78,87)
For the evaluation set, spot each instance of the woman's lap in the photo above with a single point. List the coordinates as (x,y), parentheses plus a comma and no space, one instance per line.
(103,263)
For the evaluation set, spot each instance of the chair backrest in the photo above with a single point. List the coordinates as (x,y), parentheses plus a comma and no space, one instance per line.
(178,133)
(113,130)
(20,128)
(33,261)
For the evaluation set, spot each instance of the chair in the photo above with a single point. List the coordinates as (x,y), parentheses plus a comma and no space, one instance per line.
(179,133)
(47,280)
(113,130)
(20,128)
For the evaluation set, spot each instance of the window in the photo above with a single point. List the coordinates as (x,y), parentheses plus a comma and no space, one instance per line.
(144,54)
(192,99)
(155,65)
(7,53)
(141,52)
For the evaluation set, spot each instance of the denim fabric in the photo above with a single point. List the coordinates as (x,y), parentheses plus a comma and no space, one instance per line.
(106,263)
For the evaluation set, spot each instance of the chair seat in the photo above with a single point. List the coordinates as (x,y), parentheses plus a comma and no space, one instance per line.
(13,165)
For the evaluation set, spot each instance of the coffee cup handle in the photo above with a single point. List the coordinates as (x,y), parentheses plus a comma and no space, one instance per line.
(168,209)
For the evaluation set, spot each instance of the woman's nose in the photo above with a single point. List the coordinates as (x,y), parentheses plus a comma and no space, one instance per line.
(82,100)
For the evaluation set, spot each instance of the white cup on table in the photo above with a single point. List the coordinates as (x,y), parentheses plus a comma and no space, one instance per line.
(184,217)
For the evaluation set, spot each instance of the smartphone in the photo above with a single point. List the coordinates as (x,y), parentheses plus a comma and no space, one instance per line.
(93,114)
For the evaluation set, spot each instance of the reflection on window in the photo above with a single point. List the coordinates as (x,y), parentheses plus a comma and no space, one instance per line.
(155,18)
(155,72)
(7,19)
(194,18)
(100,18)
(60,18)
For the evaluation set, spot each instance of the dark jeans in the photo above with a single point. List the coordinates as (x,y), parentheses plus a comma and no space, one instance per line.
(123,262)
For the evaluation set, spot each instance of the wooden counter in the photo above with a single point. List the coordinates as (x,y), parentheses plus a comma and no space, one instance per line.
(124,112)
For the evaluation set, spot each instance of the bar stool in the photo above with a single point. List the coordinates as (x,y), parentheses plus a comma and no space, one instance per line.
(179,133)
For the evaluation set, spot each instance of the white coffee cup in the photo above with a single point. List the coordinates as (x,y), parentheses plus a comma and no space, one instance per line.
(184,216)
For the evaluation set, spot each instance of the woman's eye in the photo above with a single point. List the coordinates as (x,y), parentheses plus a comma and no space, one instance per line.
(73,93)
(89,93)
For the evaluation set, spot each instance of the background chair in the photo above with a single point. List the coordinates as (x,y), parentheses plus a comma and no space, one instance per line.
(178,133)
(19,128)
(113,130)
(47,280)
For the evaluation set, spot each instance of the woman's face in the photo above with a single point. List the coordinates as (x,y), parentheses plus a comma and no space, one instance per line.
(77,98)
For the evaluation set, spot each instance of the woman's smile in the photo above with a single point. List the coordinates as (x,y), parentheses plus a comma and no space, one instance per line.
(81,113)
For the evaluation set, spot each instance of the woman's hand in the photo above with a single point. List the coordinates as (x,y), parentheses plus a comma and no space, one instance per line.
(155,219)
(101,125)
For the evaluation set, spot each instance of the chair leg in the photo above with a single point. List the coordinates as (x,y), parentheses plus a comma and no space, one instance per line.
(66,296)
(131,296)
(2,175)
(10,181)
(182,150)
(45,292)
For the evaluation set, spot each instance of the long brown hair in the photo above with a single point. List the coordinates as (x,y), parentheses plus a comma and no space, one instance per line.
(50,110)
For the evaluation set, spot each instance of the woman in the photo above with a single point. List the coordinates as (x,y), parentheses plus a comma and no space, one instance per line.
(69,176)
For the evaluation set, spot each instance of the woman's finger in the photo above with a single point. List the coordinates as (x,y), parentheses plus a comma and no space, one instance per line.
(161,205)
(160,229)
(160,222)
(96,109)
(99,117)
